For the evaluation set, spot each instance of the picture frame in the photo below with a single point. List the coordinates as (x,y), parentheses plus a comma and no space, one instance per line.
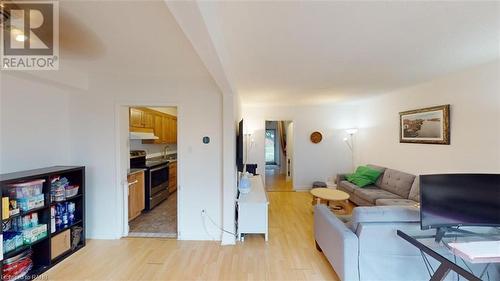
(429,125)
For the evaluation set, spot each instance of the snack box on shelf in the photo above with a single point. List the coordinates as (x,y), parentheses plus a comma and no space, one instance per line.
(12,240)
(5,208)
(29,203)
(34,234)
(72,191)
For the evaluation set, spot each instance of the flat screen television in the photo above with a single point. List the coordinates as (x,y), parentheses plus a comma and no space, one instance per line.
(451,200)
(239,147)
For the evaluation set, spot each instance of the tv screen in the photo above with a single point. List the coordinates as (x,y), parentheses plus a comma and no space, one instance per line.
(239,147)
(459,199)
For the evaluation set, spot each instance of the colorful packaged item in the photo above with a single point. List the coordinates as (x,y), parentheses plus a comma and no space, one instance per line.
(29,203)
(26,189)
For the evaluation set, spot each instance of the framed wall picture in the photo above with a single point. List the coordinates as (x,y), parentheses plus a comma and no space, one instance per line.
(427,125)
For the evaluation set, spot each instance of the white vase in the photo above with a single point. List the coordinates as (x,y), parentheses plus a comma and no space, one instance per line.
(245,185)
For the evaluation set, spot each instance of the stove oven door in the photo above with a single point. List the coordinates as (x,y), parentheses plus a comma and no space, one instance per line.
(158,177)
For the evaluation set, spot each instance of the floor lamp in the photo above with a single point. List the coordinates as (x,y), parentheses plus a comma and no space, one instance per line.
(350,143)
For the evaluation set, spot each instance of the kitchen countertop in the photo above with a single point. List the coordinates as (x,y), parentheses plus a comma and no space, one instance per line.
(134,171)
(161,159)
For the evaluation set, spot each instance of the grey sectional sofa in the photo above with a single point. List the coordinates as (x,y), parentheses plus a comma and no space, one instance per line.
(393,188)
(368,248)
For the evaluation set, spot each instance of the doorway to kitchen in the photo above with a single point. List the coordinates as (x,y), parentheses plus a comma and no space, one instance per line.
(278,149)
(152,176)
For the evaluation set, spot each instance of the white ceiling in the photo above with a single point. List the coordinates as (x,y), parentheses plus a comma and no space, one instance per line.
(140,37)
(315,52)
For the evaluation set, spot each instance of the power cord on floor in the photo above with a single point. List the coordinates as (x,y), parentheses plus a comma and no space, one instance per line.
(205,214)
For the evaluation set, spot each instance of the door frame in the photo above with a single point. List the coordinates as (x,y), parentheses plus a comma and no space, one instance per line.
(122,153)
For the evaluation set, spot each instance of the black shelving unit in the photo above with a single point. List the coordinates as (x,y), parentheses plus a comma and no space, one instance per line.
(41,249)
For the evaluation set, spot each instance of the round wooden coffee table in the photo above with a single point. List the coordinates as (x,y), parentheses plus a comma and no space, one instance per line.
(334,195)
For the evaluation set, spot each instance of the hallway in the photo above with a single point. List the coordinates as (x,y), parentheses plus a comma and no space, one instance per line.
(276,181)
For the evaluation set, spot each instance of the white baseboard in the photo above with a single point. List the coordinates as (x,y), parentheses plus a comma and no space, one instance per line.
(103,236)
(302,189)
(198,237)
(228,239)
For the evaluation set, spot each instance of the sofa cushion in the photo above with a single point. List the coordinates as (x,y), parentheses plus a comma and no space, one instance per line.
(395,202)
(415,191)
(350,187)
(379,168)
(364,176)
(372,194)
(397,182)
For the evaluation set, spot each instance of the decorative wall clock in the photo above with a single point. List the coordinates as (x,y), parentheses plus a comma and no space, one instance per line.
(316,137)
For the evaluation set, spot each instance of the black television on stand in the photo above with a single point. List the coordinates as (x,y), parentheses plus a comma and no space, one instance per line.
(239,147)
(449,201)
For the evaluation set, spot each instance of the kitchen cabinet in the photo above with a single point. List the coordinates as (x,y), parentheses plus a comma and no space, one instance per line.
(158,128)
(136,118)
(170,129)
(163,125)
(172,177)
(136,196)
(148,119)
(140,118)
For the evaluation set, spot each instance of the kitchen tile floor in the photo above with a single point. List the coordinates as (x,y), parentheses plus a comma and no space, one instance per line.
(159,222)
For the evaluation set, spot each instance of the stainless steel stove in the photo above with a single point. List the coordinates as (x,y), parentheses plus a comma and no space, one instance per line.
(156,177)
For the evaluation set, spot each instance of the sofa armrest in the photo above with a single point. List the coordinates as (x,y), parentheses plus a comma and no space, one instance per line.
(338,243)
(340,177)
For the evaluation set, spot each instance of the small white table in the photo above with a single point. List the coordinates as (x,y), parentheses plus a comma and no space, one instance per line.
(253,210)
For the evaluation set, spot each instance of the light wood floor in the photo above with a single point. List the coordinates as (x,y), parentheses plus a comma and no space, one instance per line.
(290,253)
(276,181)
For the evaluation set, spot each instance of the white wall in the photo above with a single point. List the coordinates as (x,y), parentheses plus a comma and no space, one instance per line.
(199,165)
(34,126)
(474,95)
(66,125)
(312,161)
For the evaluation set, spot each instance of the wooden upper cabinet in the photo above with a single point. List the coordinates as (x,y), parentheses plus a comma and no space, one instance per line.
(148,120)
(158,128)
(136,118)
(170,129)
(164,125)
(167,128)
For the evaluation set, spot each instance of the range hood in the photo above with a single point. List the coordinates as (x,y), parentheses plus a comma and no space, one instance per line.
(142,136)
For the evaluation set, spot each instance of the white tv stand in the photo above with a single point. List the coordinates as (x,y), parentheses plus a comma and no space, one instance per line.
(253,210)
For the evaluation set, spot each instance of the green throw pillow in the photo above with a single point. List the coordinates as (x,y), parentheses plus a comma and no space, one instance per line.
(364,176)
